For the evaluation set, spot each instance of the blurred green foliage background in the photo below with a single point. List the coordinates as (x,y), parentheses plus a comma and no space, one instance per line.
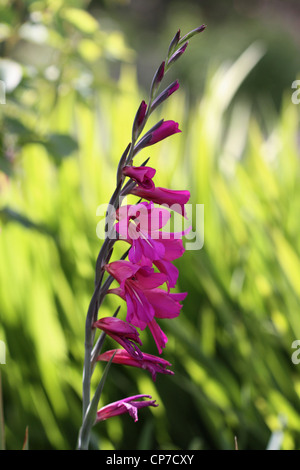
(75,73)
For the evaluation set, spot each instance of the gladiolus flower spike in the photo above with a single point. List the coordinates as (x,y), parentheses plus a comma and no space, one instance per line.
(146,278)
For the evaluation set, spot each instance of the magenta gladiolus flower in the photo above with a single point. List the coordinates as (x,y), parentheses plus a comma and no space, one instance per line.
(173,245)
(165,304)
(140,225)
(148,362)
(123,333)
(160,131)
(173,250)
(127,405)
(167,268)
(159,336)
(166,129)
(141,174)
(139,288)
(134,282)
(143,217)
(174,199)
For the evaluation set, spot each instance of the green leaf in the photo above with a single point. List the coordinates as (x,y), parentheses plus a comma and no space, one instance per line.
(14,126)
(61,145)
(9,215)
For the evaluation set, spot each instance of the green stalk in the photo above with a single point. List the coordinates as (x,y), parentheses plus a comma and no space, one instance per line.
(91,412)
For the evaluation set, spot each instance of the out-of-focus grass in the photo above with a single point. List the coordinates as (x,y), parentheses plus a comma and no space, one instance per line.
(231,346)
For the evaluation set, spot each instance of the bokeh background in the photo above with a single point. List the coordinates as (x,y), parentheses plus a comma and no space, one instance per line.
(75,73)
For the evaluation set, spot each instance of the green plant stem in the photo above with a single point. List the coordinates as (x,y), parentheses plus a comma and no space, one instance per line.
(91,413)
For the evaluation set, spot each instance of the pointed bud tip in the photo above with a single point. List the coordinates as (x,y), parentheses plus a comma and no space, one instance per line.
(174,42)
(183,48)
(201,28)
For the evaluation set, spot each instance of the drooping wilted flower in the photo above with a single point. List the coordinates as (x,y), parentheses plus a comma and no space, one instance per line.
(129,405)
(148,362)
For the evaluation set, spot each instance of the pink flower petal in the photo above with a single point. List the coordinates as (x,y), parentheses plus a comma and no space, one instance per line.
(159,337)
